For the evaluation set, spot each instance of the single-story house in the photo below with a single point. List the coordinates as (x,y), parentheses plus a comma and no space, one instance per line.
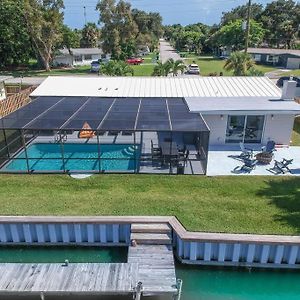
(287,58)
(236,109)
(78,56)
(142,125)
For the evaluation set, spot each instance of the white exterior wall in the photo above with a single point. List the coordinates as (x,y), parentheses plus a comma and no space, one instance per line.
(217,125)
(86,62)
(2,91)
(66,60)
(277,128)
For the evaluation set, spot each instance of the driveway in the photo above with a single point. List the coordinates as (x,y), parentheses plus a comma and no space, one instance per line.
(167,51)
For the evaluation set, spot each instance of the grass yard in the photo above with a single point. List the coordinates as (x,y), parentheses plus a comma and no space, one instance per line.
(143,70)
(209,64)
(296,133)
(264,205)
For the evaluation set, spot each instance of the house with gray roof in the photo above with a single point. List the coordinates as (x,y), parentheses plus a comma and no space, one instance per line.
(78,56)
(286,58)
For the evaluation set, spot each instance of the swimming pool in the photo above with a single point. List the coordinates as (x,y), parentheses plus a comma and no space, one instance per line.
(77,157)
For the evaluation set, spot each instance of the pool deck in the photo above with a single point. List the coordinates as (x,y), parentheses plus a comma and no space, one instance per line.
(222,161)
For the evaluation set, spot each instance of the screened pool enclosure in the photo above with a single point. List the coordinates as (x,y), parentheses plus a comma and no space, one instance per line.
(104,135)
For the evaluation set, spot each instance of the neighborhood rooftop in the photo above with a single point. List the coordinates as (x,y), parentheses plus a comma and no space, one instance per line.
(80,51)
(273,51)
(159,87)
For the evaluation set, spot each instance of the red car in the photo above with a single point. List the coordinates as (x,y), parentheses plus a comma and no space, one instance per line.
(134,61)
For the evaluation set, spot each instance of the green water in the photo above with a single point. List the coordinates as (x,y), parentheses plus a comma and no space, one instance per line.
(199,283)
(60,254)
(238,284)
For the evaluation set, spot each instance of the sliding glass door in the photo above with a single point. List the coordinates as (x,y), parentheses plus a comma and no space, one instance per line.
(246,129)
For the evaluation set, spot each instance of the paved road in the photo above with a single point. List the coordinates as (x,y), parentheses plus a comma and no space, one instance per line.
(167,51)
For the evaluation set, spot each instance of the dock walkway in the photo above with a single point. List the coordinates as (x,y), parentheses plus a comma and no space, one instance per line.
(154,255)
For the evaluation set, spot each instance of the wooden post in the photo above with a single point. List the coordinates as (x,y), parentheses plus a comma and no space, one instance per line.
(138,291)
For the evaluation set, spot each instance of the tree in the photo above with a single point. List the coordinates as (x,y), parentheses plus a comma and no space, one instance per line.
(281,19)
(232,35)
(176,66)
(44,19)
(15,43)
(240,12)
(239,63)
(71,38)
(116,68)
(90,36)
(162,69)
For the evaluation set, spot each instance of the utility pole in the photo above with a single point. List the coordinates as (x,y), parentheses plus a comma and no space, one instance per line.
(248,26)
(84,9)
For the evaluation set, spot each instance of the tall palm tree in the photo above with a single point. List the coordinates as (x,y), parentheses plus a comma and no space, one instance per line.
(176,66)
(239,63)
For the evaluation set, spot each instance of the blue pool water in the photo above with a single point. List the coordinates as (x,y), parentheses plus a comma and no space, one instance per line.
(77,157)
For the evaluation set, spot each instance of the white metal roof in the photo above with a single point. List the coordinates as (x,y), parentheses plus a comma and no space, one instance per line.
(206,87)
(274,51)
(238,105)
(80,51)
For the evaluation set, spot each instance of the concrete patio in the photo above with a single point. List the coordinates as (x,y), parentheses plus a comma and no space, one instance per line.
(223,161)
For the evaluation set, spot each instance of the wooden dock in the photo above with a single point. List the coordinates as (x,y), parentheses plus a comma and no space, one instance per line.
(154,255)
(83,278)
(150,270)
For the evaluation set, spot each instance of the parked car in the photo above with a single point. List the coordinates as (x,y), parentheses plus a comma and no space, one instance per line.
(95,66)
(193,69)
(285,78)
(134,61)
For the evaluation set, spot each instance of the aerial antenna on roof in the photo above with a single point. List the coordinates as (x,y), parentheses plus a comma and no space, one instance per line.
(84,12)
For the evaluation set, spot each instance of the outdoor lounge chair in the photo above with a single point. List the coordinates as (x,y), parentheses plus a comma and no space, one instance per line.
(281,167)
(249,165)
(269,148)
(246,152)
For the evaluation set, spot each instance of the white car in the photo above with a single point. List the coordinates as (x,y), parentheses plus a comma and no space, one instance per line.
(193,69)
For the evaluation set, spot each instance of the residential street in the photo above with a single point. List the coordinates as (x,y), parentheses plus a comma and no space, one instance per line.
(167,51)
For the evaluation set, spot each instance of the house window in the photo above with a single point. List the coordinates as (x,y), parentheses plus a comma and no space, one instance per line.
(257,57)
(78,58)
(88,57)
(272,59)
(246,129)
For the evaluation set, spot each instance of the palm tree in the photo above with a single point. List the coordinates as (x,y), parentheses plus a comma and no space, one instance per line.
(176,66)
(161,69)
(239,63)
(116,68)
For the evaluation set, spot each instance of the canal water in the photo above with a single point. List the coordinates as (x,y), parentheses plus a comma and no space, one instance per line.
(199,283)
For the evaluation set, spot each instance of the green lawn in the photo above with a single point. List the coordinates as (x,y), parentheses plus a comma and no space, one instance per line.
(209,64)
(296,133)
(267,205)
(143,70)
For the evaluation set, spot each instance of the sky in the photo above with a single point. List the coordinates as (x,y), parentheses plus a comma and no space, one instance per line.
(173,11)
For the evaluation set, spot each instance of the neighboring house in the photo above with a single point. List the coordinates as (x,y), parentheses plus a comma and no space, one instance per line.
(251,110)
(143,50)
(2,87)
(285,58)
(78,56)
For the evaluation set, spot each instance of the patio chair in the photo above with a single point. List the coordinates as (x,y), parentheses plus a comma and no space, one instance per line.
(249,165)
(269,148)
(155,147)
(281,167)
(247,153)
